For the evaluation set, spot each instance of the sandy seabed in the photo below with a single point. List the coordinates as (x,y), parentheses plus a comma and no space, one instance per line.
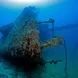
(47,71)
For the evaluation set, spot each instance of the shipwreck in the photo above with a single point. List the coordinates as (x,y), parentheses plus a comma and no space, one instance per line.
(21,38)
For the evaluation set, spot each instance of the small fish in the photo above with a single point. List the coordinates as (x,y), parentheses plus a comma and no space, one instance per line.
(53,61)
(53,75)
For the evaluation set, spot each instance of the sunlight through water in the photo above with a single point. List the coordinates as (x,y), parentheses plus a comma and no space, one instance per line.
(29,2)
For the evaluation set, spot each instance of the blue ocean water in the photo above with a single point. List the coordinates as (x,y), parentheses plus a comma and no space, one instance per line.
(65,15)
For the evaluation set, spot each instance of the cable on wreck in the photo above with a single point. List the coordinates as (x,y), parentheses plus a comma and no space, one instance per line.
(65,69)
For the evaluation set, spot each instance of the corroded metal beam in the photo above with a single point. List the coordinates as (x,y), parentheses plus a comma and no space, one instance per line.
(49,21)
(53,43)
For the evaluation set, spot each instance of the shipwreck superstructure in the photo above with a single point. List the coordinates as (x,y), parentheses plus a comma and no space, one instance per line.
(23,38)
